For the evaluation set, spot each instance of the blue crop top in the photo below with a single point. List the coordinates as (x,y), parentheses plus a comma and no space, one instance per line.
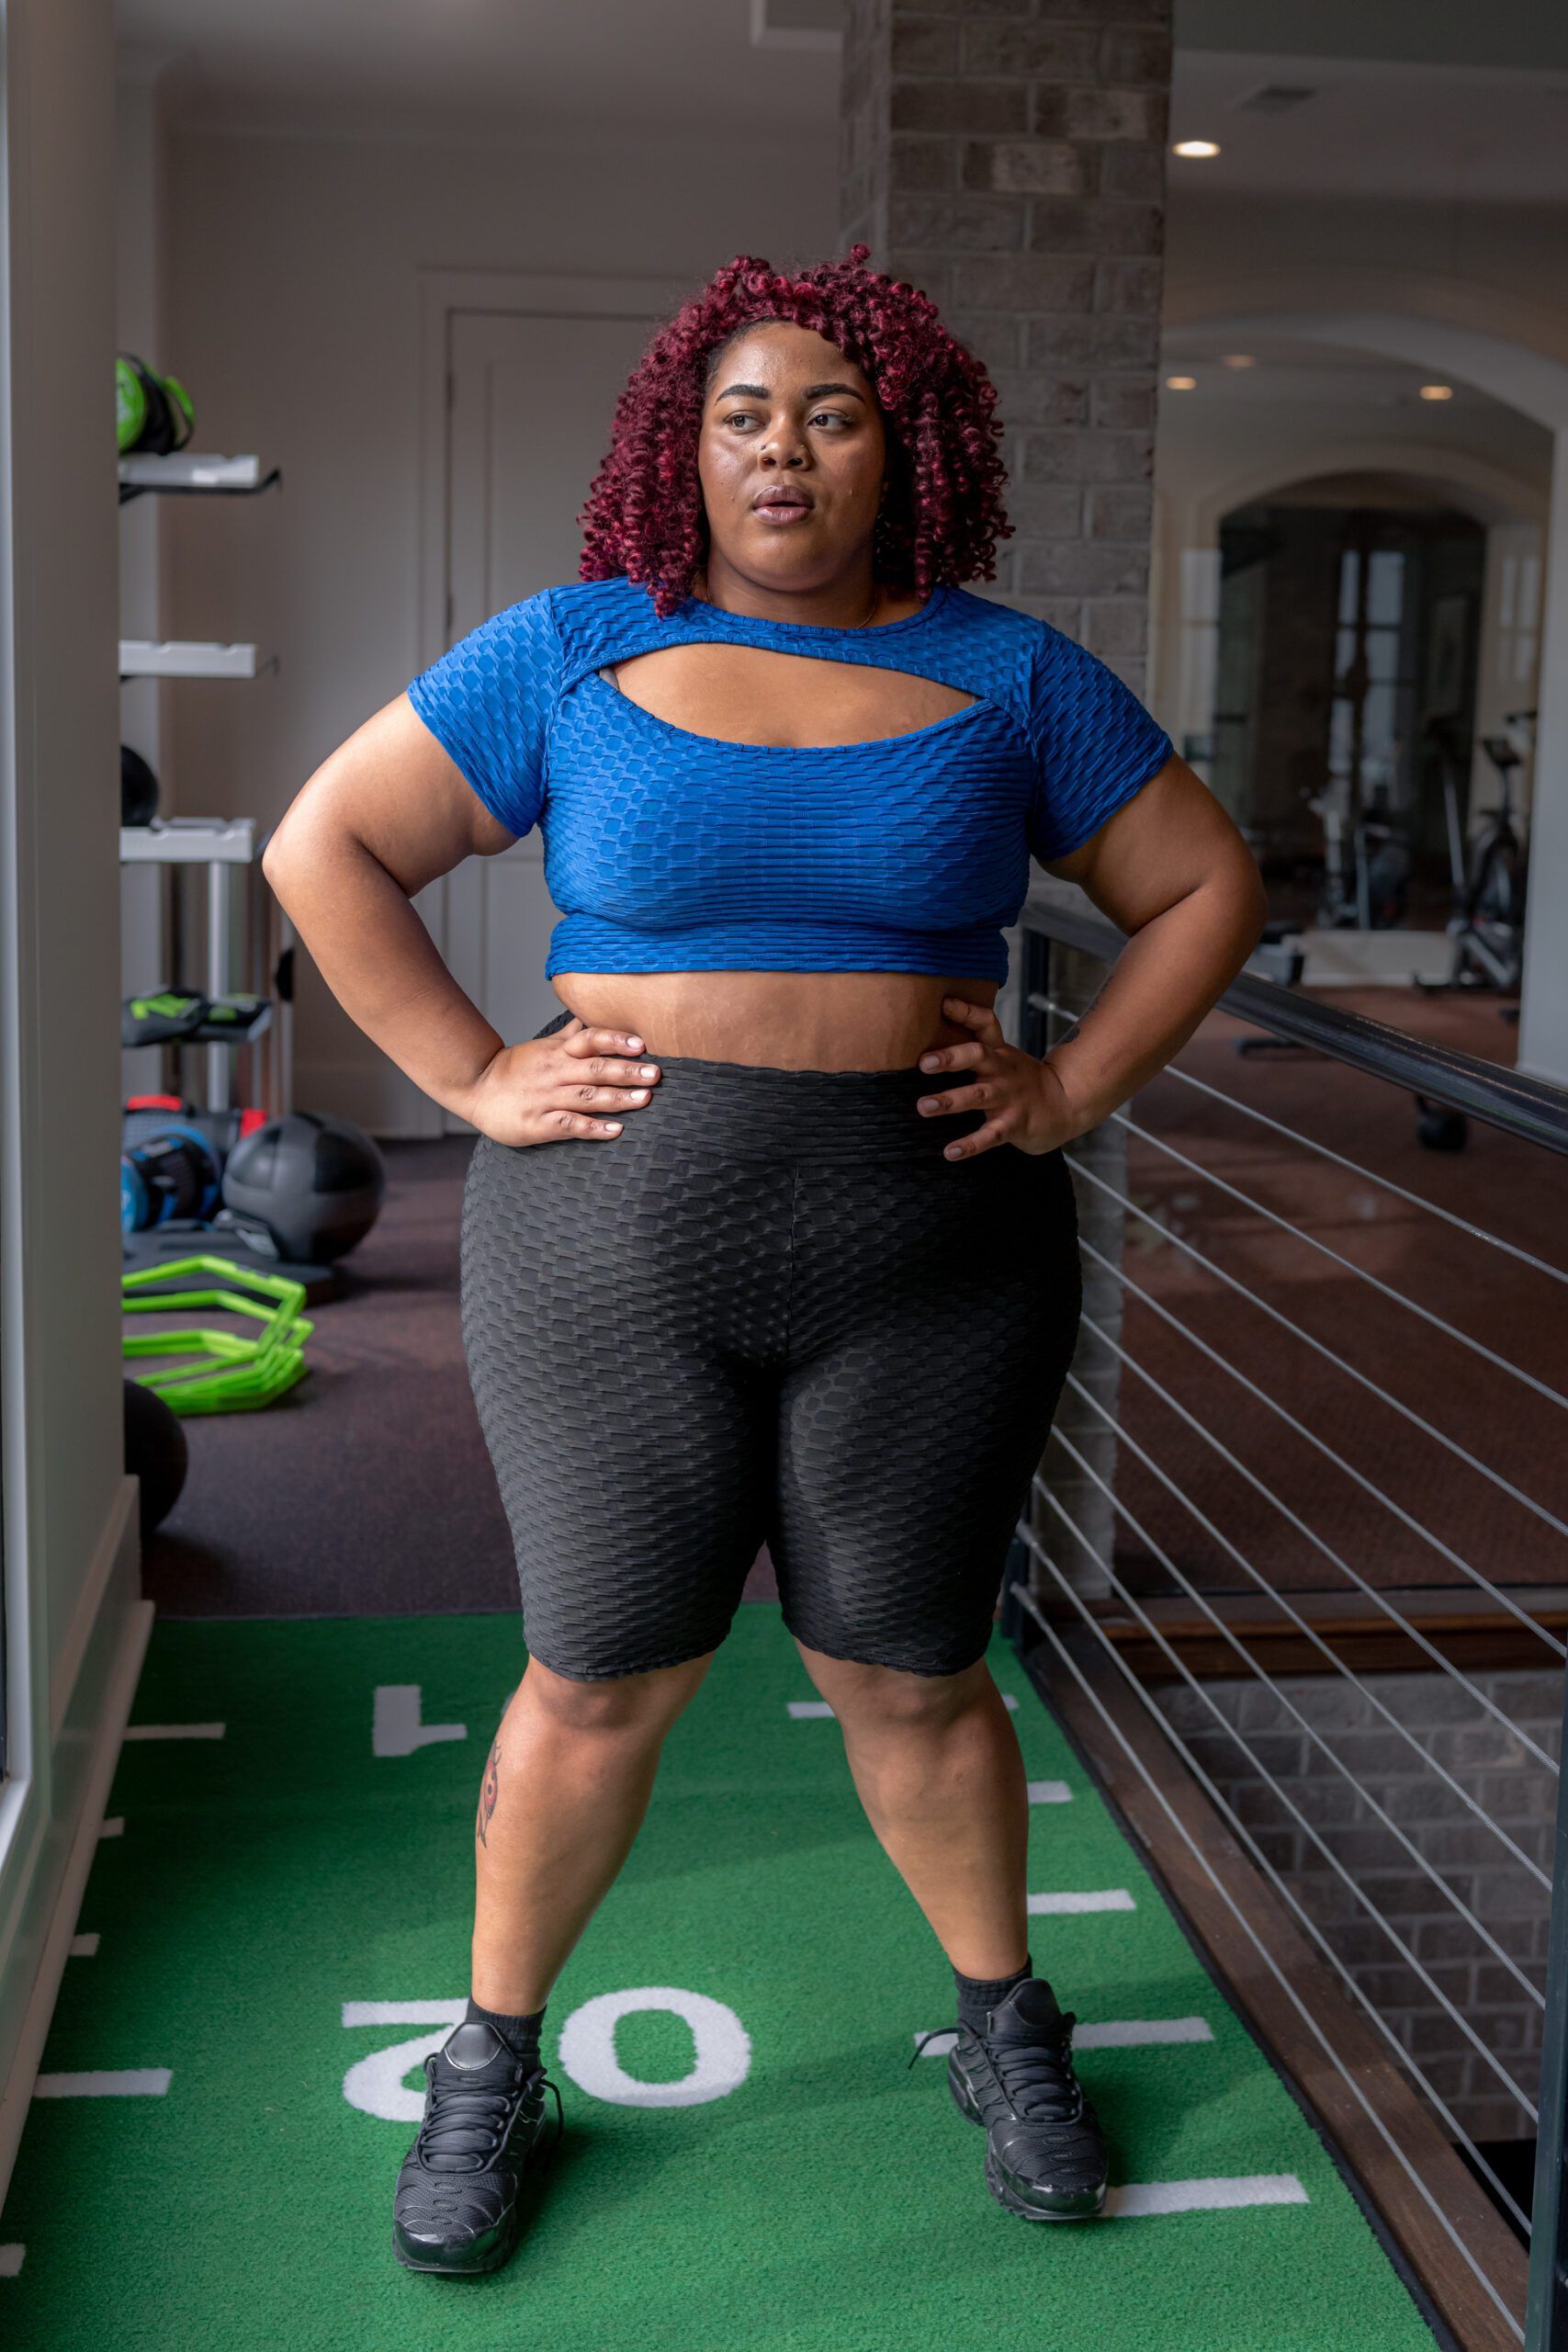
(667,851)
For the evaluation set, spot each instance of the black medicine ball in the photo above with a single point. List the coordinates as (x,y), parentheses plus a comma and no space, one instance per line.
(137,788)
(316,1181)
(155,1452)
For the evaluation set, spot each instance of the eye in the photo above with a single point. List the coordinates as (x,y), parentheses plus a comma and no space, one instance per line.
(830,416)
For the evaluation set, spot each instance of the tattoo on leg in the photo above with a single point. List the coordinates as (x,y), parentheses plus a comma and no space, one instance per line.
(489,1791)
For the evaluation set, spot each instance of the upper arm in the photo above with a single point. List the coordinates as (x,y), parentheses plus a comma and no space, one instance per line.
(1165,841)
(391,787)
(455,765)
(1115,808)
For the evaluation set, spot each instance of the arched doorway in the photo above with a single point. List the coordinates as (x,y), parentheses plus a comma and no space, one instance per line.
(1357,666)
(1517,353)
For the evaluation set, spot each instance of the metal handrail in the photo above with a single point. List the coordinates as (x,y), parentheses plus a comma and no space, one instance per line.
(1533,1111)
(1530,1108)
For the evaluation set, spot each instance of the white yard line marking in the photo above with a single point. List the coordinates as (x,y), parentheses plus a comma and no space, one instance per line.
(1221,2195)
(396,1728)
(404,2012)
(11,2260)
(1115,2033)
(132,2081)
(1135,2033)
(803,1710)
(1049,1792)
(1105,1898)
(174,1731)
(82,1947)
(114,1826)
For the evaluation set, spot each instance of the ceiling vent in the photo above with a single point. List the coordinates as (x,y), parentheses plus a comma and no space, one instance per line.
(797,23)
(1274,98)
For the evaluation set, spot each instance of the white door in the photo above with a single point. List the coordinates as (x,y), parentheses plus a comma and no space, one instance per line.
(533,395)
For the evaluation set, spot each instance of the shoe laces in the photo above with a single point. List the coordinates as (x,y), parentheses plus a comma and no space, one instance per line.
(1038,2076)
(455,2111)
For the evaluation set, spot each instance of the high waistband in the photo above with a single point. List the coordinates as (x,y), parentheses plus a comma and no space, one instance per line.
(757,1109)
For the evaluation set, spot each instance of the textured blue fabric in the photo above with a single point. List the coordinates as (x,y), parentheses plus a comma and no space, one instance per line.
(668,851)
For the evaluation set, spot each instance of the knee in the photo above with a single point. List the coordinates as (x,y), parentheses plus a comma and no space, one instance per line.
(885,1700)
(626,1706)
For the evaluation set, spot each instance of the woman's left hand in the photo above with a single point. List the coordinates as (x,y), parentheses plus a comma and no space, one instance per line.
(1023,1098)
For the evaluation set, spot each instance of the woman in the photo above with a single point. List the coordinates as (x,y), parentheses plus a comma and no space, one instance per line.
(769,1234)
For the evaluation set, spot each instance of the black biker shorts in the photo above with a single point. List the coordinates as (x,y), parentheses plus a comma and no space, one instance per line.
(767,1311)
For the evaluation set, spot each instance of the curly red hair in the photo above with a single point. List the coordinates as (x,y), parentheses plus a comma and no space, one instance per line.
(941,513)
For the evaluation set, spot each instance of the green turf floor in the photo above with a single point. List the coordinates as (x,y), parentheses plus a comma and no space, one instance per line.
(829,2199)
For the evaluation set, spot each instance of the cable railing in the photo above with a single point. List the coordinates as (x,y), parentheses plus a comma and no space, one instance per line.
(1296,1516)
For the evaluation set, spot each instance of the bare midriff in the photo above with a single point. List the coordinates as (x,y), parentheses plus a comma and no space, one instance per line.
(789,1020)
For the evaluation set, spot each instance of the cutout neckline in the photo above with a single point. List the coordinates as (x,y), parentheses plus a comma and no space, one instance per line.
(794,751)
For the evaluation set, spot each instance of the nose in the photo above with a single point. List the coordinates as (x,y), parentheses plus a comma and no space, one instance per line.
(782,446)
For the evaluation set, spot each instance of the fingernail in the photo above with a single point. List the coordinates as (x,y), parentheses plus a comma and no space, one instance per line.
(953,1151)
(647,1070)
(634,1044)
(928,1061)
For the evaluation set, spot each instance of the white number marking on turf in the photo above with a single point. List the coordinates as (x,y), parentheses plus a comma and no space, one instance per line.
(174,1731)
(396,1729)
(1104,1898)
(1049,1792)
(375,2083)
(1115,2033)
(721,2049)
(1139,2197)
(82,1947)
(11,2260)
(128,2082)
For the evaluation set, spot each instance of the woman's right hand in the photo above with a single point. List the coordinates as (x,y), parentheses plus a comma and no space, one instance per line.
(571,1082)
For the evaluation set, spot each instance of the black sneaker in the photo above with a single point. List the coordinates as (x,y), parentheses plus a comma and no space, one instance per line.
(455,2207)
(1046,2158)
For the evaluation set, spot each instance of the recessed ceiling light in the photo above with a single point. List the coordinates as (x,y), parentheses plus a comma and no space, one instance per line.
(1436,392)
(1239,359)
(1182,383)
(1194,147)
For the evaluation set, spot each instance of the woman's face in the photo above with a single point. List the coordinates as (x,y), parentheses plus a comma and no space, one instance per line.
(790,456)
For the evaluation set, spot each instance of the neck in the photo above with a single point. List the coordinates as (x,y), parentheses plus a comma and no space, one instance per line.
(852,602)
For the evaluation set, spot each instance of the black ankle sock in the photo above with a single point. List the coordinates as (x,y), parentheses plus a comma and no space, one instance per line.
(520,2034)
(979,1994)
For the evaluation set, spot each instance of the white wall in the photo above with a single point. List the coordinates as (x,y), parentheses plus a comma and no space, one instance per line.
(73,1621)
(292,319)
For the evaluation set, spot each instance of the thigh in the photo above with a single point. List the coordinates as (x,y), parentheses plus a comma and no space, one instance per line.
(931,1328)
(632,1442)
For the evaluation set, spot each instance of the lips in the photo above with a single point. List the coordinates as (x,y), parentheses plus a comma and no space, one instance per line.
(777,498)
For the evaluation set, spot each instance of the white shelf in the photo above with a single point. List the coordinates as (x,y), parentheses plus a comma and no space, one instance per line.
(188,469)
(142,657)
(189,841)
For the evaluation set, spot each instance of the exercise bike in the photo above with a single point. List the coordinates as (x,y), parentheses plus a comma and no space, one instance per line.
(1366,861)
(1487,925)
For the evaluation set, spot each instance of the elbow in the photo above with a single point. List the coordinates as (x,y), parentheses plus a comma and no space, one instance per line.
(279,861)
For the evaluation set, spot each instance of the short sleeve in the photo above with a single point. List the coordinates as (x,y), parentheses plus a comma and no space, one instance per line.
(489,702)
(1095,745)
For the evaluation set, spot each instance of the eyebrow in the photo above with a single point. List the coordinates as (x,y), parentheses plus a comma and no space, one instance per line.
(759,391)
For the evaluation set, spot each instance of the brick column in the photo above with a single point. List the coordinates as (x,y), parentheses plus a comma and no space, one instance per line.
(1008,156)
